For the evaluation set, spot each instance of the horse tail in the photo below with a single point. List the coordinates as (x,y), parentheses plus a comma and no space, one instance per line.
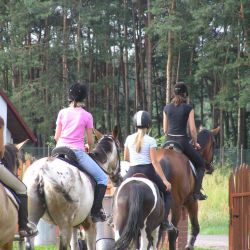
(131,230)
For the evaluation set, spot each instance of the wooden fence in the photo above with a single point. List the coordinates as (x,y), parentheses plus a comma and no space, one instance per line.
(239,208)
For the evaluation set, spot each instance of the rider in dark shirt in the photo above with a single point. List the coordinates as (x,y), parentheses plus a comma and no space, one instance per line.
(176,116)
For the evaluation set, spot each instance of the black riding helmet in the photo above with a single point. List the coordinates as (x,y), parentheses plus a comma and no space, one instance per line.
(142,119)
(77,92)
(180,89)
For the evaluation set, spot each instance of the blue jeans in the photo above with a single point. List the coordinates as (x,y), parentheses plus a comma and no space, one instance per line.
(91,167)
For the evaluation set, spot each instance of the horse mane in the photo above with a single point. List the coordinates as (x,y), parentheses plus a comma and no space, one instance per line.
(202,137)
(99,153)
(10,159)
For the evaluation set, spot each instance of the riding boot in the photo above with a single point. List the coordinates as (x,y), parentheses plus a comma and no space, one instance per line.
(198,195)
(97,212)
(26,228)
(166,225)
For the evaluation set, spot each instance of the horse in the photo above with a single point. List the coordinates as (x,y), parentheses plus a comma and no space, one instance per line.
(8,206)
(176,167)
(138,211)
(63,195)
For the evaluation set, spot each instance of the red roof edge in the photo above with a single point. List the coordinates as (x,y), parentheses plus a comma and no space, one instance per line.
(19,118)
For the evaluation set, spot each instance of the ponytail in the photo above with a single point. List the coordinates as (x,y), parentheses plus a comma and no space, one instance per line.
(139,138)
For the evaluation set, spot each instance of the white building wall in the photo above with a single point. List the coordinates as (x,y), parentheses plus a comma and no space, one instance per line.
(3,113)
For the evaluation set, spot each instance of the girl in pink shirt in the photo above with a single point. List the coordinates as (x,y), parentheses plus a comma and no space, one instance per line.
(72,124)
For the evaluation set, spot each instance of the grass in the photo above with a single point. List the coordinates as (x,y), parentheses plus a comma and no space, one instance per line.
(214,212)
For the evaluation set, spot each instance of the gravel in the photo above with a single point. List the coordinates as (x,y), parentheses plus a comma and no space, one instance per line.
(213,242)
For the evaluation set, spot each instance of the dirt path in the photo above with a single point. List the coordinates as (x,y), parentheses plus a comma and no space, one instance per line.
(213,242)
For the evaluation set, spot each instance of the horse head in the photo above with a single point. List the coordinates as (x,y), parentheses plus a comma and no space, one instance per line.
(12,156)
(107,154)
(206,139)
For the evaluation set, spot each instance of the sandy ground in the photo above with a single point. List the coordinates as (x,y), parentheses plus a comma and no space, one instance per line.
(213,242)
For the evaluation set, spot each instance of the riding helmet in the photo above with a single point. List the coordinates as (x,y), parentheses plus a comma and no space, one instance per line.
(142,119)
(77,92)
(180,89)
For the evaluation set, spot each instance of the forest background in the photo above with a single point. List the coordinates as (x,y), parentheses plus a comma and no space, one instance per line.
(130,54)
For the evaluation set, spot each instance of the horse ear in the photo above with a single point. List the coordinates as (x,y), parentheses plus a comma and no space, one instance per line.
(115,132)
(20,145)
(215,131)
(97,134)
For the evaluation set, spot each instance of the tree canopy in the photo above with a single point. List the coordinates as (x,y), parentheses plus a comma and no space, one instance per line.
(129,54)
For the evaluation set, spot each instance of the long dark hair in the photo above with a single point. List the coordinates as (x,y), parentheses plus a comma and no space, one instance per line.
(178,99)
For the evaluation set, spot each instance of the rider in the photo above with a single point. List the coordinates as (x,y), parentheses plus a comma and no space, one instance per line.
(176,116)
(72,124)
(26,228)
(140,151)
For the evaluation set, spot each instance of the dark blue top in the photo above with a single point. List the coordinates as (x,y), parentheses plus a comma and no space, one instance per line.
(177,118)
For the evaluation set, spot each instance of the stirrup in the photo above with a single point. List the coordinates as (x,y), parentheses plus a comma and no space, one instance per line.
(99,216)
(29,231)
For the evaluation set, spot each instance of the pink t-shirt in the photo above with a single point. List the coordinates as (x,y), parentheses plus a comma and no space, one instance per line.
(73,122)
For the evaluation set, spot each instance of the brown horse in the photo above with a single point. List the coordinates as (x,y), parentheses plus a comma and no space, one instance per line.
(8,210)
(176,167)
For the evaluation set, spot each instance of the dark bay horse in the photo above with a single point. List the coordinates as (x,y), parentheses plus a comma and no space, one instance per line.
(138,211)
(8,207)
(63,195)
(176,167)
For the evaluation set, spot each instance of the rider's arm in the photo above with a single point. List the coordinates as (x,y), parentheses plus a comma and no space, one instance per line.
(126,154)
(58,132)
(192,128)
(90,138)
(158,168)
(165,123)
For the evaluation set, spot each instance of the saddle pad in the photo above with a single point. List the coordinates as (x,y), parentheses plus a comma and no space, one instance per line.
(193,168)
(13,197)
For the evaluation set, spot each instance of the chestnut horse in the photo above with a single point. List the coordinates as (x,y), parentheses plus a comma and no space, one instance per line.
(176,167)
(8,209)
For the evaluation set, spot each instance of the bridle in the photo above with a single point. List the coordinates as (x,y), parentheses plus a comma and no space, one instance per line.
(114,176)
(208,163)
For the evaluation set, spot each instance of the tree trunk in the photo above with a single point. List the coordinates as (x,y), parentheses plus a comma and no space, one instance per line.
(169,68)
(64,55)
(149,62)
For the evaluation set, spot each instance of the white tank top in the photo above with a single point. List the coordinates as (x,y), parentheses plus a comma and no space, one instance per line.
(143,157)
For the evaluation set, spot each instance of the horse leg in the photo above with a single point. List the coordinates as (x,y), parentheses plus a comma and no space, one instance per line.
(74,240)
(7,246)
(155,235)
(36,210)
(144,241)
(172,235)
(192,208)
(90,234)
(65,237)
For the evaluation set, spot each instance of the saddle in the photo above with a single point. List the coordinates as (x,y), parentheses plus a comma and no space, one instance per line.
(174,145)
(65,154)
(68,155)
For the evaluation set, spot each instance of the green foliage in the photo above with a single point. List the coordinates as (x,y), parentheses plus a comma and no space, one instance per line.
(43,43)
(213,213)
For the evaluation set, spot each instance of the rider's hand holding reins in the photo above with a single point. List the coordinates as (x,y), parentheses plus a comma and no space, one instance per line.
(197,146)
(168,185)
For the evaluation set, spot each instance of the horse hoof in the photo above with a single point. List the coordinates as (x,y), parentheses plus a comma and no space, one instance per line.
(189,247)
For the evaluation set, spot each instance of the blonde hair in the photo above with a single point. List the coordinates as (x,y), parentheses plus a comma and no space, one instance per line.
(139,138)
